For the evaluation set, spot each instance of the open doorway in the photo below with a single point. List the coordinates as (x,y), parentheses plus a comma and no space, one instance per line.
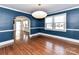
(22,29)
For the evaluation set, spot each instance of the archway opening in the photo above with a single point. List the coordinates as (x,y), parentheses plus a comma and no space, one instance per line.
(21,29)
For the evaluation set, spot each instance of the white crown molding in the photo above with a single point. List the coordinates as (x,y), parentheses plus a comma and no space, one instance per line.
(14,9)
(31,14)
(63,10)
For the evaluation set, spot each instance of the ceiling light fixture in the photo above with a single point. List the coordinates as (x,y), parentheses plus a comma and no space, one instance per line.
(39,4)
(39,14)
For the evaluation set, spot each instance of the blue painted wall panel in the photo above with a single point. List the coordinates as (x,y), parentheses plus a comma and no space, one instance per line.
(73,19)
(37,23)
(33,31)
(4,36)
(7,17)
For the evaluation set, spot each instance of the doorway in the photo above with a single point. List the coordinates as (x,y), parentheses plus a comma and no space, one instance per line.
(21,29)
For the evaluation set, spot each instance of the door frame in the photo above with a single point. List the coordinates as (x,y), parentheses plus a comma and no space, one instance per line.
(29,26)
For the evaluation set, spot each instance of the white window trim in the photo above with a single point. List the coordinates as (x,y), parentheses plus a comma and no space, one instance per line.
(53,29)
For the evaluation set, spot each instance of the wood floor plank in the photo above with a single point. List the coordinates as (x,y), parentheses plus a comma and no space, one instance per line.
(41,45)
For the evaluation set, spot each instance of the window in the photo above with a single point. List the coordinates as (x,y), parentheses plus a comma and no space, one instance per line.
(60,22)
(56,22)
(48,23)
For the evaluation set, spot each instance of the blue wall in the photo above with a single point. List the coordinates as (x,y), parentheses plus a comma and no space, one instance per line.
(72,23)
(39,23)
(7,16)
(6,23)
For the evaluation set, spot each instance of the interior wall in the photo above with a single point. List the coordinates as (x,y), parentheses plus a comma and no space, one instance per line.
(37,25)
(72,25)
(6,23)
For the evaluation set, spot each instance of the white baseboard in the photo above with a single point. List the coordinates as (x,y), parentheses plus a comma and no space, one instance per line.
(34,34)
(6,43)
(70,40)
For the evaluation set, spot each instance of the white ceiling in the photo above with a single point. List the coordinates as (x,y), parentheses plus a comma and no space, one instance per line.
(49,8)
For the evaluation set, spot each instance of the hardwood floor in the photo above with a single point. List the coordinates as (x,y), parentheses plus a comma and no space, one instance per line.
(41,45)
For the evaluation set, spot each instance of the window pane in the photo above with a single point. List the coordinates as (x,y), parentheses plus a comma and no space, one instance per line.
(48,26)
(60,18)
(56,22)
(49,19)
(59,26)
(60,22)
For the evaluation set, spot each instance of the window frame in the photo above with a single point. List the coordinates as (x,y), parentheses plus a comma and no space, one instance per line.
(53,29)
(45,27)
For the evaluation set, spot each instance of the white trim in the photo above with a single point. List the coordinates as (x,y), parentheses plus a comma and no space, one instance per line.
(27,19)
(6,43)
(30,13)
(73,29)
(14,9)
(70,40)
(6,30)
(36,34)
(62,38)
(64,10)
(53,29)
(37,27)
(62,31)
